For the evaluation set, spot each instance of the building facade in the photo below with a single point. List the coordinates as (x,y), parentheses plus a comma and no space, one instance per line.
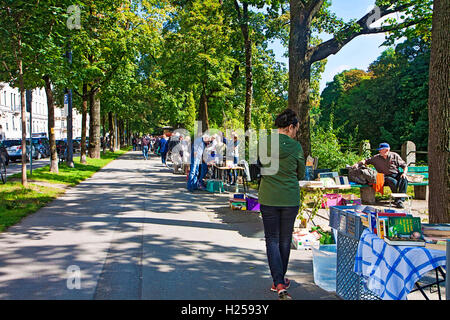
(10,119)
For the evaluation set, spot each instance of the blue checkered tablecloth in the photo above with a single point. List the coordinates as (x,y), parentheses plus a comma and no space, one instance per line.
(391,271)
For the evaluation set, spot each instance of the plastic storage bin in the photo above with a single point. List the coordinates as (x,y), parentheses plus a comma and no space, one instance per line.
(252,203)
(324,266)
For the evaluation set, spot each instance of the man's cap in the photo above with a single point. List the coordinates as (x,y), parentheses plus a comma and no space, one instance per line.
(383,145)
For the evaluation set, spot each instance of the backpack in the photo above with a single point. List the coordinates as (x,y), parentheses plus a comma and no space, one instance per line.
(255,172)
(362,175)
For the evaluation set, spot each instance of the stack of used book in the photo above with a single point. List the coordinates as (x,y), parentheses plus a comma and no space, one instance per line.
(350,200)
(332,179)
(396,228)
(311,184)
(436,235)
(238,202)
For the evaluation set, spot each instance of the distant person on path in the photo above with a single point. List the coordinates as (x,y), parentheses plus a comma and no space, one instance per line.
(279,196)
(145,146)
(156,145)
(198,167)
(163,149)
(152,144)
(234,145)
(134,141)
(176,151)
(388,163)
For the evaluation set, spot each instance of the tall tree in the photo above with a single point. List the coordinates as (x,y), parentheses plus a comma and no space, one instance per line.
(439,115)
(26,30)
(243,18)
(111,35)
(306,15)
(197,54)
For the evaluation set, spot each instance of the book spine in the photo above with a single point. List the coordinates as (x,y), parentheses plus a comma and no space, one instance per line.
(382,228)
(373,222)
(338,180)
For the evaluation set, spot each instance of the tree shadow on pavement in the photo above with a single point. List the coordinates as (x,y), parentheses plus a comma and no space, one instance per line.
(141,235)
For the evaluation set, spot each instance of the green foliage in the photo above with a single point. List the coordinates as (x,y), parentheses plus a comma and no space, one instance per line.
(325,146)
(386,104)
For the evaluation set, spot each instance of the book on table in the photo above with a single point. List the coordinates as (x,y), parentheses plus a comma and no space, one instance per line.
(436,232)
(404,231)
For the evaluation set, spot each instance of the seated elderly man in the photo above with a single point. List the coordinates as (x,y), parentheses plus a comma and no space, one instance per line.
(388,163)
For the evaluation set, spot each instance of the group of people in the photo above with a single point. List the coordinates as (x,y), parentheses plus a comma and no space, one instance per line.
(196,159)
(207,151)
(150,144)
(279,192)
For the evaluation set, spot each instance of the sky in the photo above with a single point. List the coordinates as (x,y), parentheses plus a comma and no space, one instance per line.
(358,53)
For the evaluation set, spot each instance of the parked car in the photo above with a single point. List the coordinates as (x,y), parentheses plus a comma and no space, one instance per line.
(4,153)
(14,149)
(61,147)
(43,146)
(76,145)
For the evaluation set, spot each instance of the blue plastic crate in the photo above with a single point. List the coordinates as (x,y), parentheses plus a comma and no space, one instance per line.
(349,285)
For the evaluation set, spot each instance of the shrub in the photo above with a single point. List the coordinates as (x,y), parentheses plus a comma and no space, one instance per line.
(325,146)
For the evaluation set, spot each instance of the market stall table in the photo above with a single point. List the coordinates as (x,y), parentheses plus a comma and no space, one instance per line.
(309,186)
(391,272)
(220,173)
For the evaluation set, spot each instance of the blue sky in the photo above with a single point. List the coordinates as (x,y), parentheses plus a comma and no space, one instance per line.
(359,53)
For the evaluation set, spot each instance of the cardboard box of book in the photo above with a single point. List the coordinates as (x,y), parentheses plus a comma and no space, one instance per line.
(304,240)
(238,202)
(238,205)
(350,200)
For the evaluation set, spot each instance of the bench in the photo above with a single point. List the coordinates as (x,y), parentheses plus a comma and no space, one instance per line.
(420,188)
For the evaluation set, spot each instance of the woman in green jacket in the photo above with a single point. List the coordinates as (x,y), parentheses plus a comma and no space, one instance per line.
(279,196)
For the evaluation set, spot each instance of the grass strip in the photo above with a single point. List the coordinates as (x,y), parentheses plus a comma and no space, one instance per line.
(16,201)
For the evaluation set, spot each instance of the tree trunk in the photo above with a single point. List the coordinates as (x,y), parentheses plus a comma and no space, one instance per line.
(111,131)
(128,133)
(439,116)
(84,110)
(94,127)
(121,134)
(103,132)
(248,63)
(248,85)
(300,72)
(51,125)
(203,110)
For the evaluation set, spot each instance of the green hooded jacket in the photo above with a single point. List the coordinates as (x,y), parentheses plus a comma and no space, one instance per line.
(281,189)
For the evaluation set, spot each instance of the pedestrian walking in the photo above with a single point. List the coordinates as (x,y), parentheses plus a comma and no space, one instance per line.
(163,149)
(134,141)
(145,145)
(279,196)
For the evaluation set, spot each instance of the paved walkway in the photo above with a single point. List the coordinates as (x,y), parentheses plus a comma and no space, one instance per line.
(133,232)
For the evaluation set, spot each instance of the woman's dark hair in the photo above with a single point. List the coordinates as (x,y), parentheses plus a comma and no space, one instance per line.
(286,118)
